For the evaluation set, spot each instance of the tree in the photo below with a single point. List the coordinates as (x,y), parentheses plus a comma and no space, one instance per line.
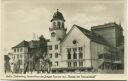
(7,63)
(38,53)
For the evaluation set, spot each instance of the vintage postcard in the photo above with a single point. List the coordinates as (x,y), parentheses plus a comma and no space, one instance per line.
(63,39)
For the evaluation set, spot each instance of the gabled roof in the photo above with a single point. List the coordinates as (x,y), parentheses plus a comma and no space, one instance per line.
(93,36)
(22,44)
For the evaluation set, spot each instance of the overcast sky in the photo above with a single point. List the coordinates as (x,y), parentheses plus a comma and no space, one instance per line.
(22,18)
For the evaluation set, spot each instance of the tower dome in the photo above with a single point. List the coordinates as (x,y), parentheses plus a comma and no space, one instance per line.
(57,29)
(58,16)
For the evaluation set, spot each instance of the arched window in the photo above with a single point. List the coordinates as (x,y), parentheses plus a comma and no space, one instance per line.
(69,64)
(62,24)
(54,24)
(80,63)
(59,24)
(56,55)
(69,55)
(80,55)
(75,64)
(75,55)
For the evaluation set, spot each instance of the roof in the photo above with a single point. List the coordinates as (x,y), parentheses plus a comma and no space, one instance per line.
(93,36)
(31,44)
(22,44)
(58,15)
(107,25)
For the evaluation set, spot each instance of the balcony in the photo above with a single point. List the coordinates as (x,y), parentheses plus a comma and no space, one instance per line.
(117,62)
(109,58)
(106,57)
(74,60)
(57,28)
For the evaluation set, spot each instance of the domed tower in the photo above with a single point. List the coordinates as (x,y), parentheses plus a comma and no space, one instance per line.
(57,30)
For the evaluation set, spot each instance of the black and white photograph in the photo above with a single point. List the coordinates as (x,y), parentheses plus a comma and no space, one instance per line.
(63,36)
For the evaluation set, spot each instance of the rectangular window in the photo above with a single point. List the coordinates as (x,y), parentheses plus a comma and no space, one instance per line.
(50,64)
(56,47)
(50,47)
(20,62)
(80,63)
(80,55)
(50,55)
(21,49)
(68,49)
(69,55)
(75,55)
(101,56)
(56,63)
(14,50)
(75,64)
(17,50)
(74,49)
(80,48)
(56,55)
(18,56)
(69,64)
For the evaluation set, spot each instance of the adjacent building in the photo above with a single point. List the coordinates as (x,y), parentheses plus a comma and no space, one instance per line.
(28,55)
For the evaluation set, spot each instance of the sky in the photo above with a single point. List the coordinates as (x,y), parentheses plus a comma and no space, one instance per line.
(22,18)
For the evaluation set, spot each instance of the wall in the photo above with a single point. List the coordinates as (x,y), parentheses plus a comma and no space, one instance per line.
(108,33)
(60,33)
(20,55)
(97,49)
(82,41)
(53,51)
